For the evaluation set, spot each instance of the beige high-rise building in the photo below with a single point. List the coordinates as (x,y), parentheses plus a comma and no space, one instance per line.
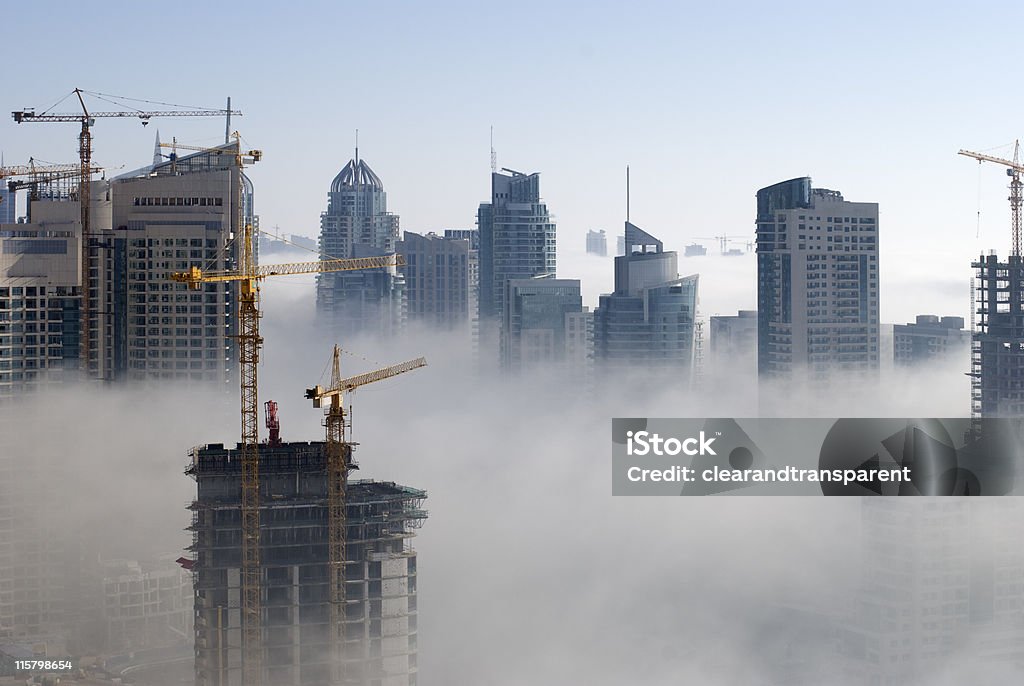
(168,218)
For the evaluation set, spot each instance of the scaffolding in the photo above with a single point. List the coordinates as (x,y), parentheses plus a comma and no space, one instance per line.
(380,618)
(997,340)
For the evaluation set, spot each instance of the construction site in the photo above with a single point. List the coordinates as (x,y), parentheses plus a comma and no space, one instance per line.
(379,618)
(299,576)
(997,312)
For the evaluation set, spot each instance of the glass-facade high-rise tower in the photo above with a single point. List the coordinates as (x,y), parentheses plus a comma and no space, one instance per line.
(648,322)
(357,224)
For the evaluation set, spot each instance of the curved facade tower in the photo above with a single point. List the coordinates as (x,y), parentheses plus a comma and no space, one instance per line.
(357,224)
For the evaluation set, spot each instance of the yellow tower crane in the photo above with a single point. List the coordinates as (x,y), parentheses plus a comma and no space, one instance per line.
(339,462)
(88,119)
(248,276)
(1013,170)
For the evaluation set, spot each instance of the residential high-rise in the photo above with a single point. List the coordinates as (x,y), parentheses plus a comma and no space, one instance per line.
(597,243)
(380,571)
(648,322)
(170,217)
(40,290)
(817,282)
(357,224)
(997,347)
(517,238)
(536,324)
(930,338)
(439,278)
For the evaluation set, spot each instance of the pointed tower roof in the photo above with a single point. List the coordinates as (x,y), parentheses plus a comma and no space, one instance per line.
(356,173)
(157,155)
(635,236)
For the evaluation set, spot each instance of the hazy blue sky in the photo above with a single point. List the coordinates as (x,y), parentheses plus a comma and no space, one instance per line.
(706,101)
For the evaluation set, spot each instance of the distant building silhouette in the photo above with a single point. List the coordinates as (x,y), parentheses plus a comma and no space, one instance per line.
(734,341)
(597,243)
(930,338)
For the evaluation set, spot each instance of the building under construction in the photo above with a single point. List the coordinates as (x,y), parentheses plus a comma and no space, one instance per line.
(997,340)
(380,571)
(997,346)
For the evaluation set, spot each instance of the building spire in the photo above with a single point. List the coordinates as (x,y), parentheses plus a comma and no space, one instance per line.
(357,150)
(157,155)
(494,155)
(627,192)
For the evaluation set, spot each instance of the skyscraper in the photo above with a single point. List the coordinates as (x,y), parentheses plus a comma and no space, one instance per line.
(439,280)
(817,282)
(648,322)
(40,289)
(536,325)
(517,238)
(357,224)
(168,218)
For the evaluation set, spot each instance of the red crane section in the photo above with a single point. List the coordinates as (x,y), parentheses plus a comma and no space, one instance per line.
(273,424)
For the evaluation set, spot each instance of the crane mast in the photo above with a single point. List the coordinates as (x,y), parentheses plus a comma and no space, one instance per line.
(339,462)
(1013,170)
(249,342)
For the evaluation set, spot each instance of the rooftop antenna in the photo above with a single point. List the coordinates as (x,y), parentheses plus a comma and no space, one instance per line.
(627,192)
(494,155)
(227,125)
(357,148)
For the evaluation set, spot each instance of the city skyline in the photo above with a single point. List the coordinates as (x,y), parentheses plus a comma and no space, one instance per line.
(519,145)
(687,107)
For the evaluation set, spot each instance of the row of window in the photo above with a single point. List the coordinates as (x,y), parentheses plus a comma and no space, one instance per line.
(178,202)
